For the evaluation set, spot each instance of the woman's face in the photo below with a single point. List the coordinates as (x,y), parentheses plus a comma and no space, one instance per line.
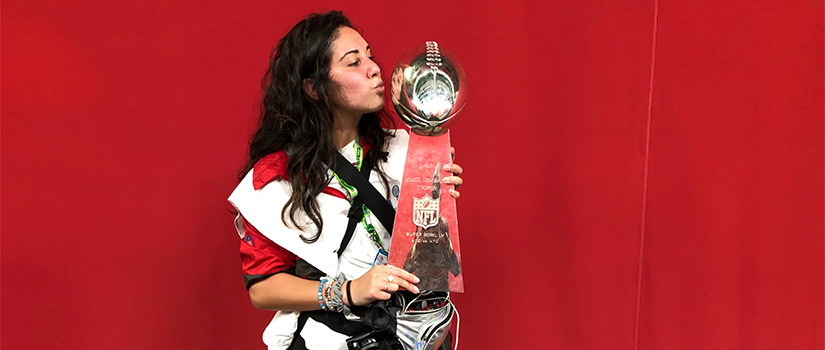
(359,86)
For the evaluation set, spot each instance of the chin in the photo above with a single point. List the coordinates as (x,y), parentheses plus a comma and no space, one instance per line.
(377,108)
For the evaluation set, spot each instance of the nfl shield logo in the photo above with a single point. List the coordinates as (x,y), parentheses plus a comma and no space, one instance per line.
(425,211)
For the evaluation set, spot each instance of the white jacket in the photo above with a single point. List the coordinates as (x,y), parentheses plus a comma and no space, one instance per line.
(262,209)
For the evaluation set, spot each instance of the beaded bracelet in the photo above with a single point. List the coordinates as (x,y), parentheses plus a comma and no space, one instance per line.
(328,294)
(320,293)
(333,296)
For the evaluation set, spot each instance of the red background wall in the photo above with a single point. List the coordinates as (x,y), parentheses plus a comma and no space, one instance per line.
(639,174)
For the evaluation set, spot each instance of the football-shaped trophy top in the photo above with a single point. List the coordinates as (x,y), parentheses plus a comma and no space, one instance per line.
(428,89)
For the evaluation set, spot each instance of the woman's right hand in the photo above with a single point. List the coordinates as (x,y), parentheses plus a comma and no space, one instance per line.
(379,283)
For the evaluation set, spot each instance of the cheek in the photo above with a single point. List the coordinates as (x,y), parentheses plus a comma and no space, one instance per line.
(344,85)
(350,88)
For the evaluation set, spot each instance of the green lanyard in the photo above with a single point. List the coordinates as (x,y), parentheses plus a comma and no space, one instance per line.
(353,192)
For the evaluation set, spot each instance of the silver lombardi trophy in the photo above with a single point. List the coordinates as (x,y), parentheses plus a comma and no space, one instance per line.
(428,91)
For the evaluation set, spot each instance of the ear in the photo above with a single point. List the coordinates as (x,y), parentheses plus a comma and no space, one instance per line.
(309,88)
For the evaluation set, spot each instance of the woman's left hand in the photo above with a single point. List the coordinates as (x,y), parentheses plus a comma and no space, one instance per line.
(454,180)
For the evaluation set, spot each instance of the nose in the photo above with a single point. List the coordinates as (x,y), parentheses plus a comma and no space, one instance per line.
(373,70)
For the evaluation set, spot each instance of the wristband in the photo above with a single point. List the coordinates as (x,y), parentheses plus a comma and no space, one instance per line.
(349,294)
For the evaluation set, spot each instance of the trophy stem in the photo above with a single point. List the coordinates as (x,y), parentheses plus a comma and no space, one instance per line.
(425,235)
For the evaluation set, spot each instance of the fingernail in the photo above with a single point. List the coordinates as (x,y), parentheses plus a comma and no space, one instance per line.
(417,279)
(415,290)
(447,167)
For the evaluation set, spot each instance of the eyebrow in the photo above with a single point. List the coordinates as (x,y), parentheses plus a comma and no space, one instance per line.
(352,51)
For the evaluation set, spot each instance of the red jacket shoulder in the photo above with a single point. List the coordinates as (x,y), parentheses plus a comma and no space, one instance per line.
(271,167)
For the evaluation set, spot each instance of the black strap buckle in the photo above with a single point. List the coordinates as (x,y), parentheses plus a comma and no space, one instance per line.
(356,211)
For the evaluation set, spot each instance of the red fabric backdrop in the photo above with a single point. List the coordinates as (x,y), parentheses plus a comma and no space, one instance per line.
(124,123)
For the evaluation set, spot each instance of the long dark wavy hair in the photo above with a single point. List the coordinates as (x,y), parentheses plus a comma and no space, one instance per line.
(290,117)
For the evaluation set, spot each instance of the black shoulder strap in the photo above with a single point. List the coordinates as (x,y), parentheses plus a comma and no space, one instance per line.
(334,320)
(367,194)
(356,213)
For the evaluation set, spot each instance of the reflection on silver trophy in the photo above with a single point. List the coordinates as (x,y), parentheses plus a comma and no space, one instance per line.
(428,89)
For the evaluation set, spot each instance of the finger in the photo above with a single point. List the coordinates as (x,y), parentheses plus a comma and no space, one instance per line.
(452,153)
(453,180)
(403,275)
(454,168)
(394,287)
(382,295)
(455,194)
(407,286)
(380,290)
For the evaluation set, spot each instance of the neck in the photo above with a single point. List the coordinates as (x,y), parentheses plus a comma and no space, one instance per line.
(344,129)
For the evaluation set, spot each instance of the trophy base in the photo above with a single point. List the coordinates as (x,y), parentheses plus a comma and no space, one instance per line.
(425,236)
(435,131)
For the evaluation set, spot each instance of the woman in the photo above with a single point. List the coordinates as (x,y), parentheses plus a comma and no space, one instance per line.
(323,95)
